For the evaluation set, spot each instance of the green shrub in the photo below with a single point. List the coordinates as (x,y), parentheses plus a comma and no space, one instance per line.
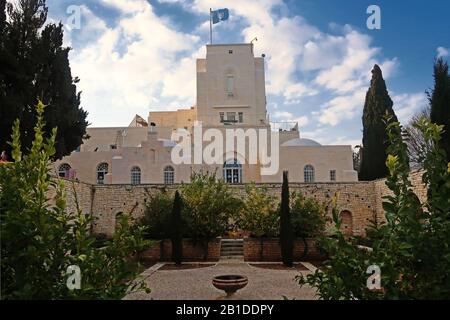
(177,233)
(412,249)
(156,217)
(286,229)
(259,214)
(308,216)
(209,206)
(39,241)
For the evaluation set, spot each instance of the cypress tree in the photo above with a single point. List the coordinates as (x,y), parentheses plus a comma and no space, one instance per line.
(286,230)
(439,99)
(375,141)
(35,65)
(177,233)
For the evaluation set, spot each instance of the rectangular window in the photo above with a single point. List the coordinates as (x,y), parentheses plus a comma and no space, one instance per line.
(241,117)
(135,177)
(231,116)
(332,175)
(222,117)
(169,177)
(230,85)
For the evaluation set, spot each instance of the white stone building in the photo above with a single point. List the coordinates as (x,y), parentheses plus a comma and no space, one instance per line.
(230,95)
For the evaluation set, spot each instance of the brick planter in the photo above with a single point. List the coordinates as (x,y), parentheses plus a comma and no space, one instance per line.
(162,251)
(269,249)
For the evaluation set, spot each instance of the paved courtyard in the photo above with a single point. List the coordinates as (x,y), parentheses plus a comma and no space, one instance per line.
(195,284)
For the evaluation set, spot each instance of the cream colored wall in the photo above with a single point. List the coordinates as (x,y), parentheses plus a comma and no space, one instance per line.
(249,84)
(103,138)
(142,146)
(182,118)
(322,158)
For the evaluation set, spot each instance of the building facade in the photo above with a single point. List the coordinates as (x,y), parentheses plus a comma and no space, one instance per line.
(230,98)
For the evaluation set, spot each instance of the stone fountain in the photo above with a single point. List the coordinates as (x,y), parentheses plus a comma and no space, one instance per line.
(230,283)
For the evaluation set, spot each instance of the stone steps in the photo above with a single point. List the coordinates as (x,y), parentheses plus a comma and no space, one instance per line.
(232,249)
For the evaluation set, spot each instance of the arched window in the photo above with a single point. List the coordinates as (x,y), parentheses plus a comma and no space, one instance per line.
(135,175)
(102,171)
(308,173)
(63,170)
(232,171)
(346,223)
(169,175)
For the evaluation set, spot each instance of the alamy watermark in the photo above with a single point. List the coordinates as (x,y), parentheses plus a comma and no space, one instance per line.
(74,17)
(374,280)
(74,277)
(213,146)
(374,20)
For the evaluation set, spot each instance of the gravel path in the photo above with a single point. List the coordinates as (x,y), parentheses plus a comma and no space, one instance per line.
(195,284)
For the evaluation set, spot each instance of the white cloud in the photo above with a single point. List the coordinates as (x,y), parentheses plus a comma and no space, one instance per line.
(133,65)
(144,63)
(442,52)
(284,116)
(342,108)
(407,105)
(354,70)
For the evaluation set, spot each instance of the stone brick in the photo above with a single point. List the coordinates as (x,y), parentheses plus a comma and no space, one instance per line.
(363,200)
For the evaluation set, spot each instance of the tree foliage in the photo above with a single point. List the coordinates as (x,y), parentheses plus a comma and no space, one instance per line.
(157,216)
(439,99)
(286,231)
(412,249)
(177,230)
(39,240)
(33,63)
(308,216)
(378,103)
(418,146)
(259,214)
(208,206)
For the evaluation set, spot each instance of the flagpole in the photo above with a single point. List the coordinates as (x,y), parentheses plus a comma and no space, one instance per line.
(210,25)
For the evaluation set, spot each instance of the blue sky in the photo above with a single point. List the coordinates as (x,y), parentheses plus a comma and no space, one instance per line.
(133,56)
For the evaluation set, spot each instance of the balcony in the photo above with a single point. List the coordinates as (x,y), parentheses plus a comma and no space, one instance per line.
(284,126)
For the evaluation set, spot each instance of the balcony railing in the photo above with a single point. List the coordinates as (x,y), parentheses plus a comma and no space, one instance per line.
(284,126)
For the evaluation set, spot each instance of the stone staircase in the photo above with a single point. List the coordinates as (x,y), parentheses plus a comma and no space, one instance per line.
(232,250)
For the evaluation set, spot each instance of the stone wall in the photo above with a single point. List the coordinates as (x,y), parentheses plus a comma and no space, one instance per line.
(270,250)
(162,251)
(362,199)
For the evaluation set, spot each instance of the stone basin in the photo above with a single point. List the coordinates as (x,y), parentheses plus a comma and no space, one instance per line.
(230,283)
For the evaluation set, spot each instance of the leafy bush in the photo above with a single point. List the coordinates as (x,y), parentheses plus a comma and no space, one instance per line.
(286,229)
(308,216)
(259,214)
(39,241)
(208,206)
(157,216)
(177,233)
(412,249)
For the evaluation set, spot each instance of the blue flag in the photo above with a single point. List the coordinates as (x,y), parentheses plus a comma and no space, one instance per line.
(219,15)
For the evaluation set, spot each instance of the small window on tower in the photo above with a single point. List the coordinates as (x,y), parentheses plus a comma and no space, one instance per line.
(230,85)
(231,116)
(241,117)
(332,175)
(230,51)
(222,117)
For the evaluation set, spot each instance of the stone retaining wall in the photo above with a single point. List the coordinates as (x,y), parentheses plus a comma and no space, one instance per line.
(162,251)
(363,200)
(269,249)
